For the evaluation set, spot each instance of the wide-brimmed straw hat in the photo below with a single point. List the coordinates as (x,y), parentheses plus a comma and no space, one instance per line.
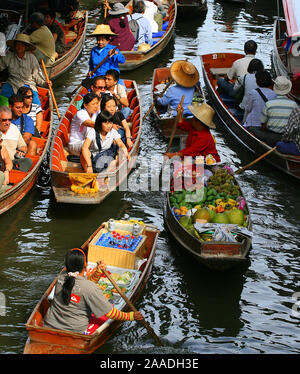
(24,38)
(143,47)
(184,73)
(102,30)
(118,9)
(204,113)
(282,85)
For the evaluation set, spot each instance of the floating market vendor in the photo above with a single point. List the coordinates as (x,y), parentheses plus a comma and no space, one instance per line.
(76,298)
(199,141)
(186,77)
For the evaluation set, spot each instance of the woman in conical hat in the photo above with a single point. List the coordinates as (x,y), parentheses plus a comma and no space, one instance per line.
(186,77)
(103,34)
(23,67)
(199,141)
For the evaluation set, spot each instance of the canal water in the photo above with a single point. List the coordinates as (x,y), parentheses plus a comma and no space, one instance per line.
(250,309)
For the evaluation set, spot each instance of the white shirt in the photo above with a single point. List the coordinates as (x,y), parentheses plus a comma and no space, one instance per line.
(239,67)
(110,137)
(78,131)
(13,140)
(120,90)
(151,10)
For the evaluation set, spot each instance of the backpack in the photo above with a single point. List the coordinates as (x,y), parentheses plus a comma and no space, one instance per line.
(134,27)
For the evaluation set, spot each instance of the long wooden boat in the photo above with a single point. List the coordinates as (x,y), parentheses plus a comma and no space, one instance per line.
(75,37)
(161,77)
(135,59)
(286,47)
(108,180)
(191,8)
(21,182)
(44,340)
(215,65)
(214,252)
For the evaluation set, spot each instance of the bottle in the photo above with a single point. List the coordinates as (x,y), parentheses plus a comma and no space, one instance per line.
(135,229)
(111,225)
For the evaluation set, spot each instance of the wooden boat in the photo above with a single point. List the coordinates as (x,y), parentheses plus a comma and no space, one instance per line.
(15,20)
(21,182)
(191,8)
(75,37)
(108,180)
(44,340)
(215,65)
(212,253)
(135,59)
(161,77)
(286,47)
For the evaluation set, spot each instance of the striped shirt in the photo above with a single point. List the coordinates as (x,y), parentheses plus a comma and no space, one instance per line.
(292,131)
(276,113)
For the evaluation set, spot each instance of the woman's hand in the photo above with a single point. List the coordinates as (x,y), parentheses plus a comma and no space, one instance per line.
(129,143)
(101,266)
(116,127)
(138,316)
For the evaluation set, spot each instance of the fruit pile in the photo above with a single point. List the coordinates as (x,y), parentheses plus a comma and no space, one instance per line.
(220,201)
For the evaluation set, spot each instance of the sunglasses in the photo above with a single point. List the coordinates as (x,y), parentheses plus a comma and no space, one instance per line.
(100,87)
(28,97)
(6,119)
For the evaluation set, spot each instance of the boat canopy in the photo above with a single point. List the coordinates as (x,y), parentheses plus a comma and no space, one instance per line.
(292,17)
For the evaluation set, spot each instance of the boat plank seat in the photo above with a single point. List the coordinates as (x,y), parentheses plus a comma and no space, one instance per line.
(40,143)
(71,167)
(15,176)
(45,128)
(219,72)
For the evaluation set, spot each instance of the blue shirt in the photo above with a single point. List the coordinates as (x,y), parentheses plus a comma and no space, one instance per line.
(145,31)
(173,97)
(97,55)
(28,124)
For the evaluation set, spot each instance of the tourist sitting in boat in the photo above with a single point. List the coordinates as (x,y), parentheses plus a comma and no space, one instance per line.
(83,119)
(186,77)
(119,24)
(257,98)
(6,166)
(248,81)
(275,113)
(30,109)
(98,148)
(98,86)
(153,15)
(144,31)
(290,142)
(13,141)
(103,49)
(238,68)
(76,298)
(199,141)
(24,123)
(57,32)
(118,90)
(109,103)
(23,68)
(42,38)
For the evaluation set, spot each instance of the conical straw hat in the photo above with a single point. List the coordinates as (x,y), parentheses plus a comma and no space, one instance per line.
(203,113)
(184,73)
(102,30)
(24,38)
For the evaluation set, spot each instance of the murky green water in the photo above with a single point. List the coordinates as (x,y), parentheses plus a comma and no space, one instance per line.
(192,309)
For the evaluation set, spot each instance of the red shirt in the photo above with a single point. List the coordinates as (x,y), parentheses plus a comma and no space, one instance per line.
(198,142)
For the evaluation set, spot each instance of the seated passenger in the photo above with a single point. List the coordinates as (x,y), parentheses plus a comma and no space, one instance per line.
(186,77)
(74,313)
(145,32)
(97,150)
(6,166)
(24,123)
(43,39)
(83,119)
(23,68)
(13,141)
(103,49)
(98,86)
(199,141)
(117,90)
(248,81)
(257,98)
(150,11)
(30,109)
(109,103)
(275,113)
(118,23)
(57,32)
(290,142)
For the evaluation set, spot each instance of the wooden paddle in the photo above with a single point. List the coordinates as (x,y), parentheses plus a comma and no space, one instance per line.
(129,303)
(50,89)
(160,95)
(241,170)
(93,71)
